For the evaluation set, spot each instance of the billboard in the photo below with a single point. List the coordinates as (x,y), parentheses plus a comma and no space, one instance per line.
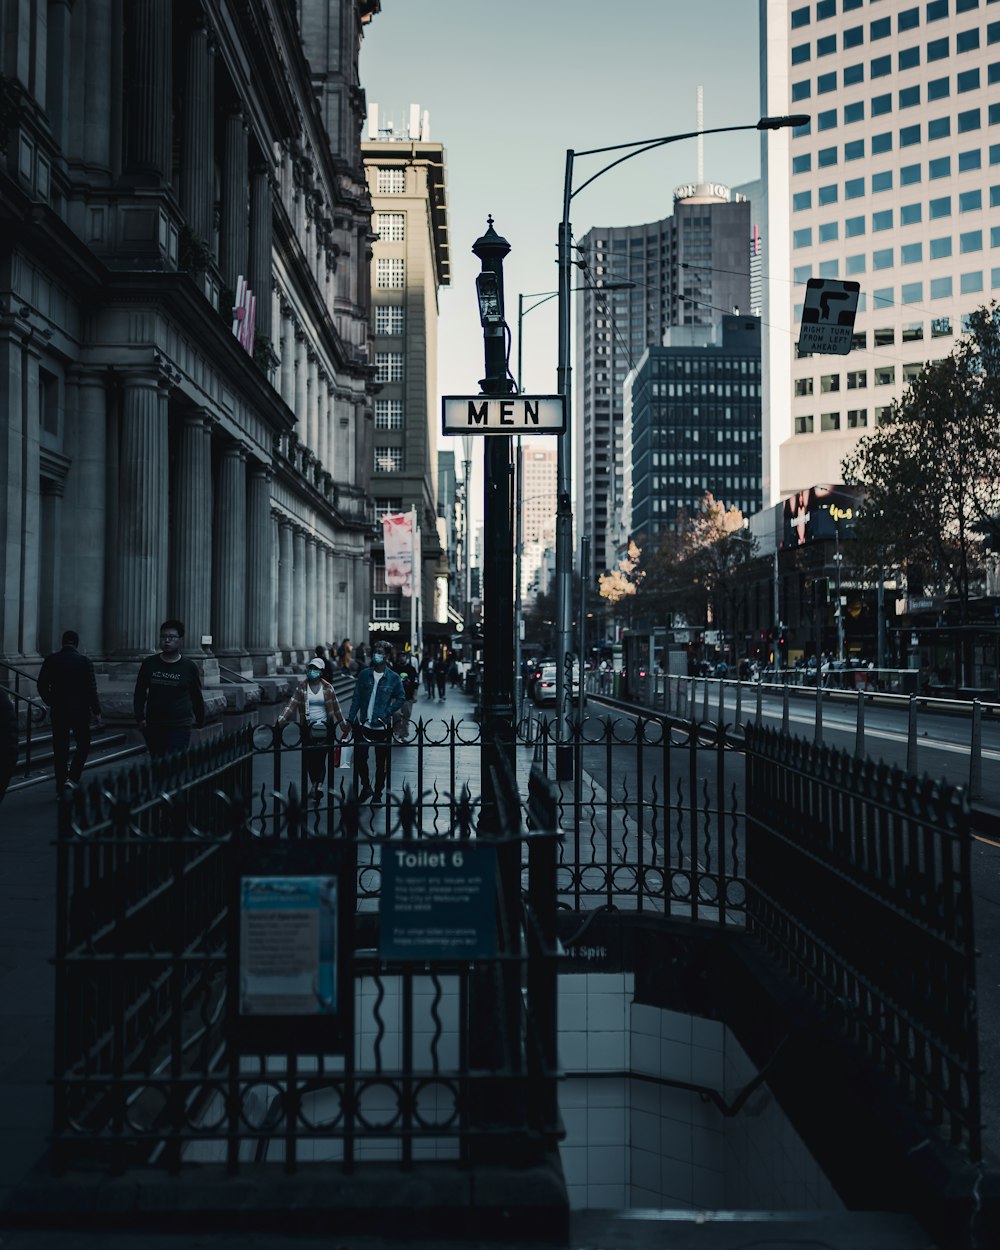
(821,512)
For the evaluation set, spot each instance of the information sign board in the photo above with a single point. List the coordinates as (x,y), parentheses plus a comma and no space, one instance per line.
(503,414)
(438,901)
(828,316)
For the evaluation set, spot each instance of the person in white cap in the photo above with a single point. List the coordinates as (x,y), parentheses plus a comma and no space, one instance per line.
(314,704)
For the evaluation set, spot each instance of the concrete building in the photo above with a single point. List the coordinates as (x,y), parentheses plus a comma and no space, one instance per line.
(691,425)
(677,272)
(158,155)
(895,184)
(538,512)
(410,263)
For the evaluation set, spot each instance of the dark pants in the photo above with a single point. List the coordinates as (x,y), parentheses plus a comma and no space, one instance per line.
(316,751)
(62,728)
(442,681)
(380,739)
(164,739)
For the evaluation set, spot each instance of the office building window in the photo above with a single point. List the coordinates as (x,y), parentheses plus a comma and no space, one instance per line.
(825,83)
(390,272)
(802,274)
(941,328)
(859,341)
(388,414)
(803,52)
(911,254)
(968,80)
(909,19)
(971,241)
(909,97)
(882,181)
(970,283)
(911,293)
(908,58)
(938,89)
(940,248)
(857,379)
(388,366)
(939,128)
(882,297)
(803,425)
(910,214)
(939,168)
(801,200)
(800,17)
(969,120)
(388,319)
(993,70)
(909,135)
(826,45)
(853,74)
(853,37)
(885,337)
(391,181)
(857,418)
(881,66)
(882,220)
(881,143)
(913,332)
(828,269)
(967,40)
(941,288)
(829,231)
(937,49)
(827,195)
(908,175)
(826,157)
(803,386)
(885,375)
(391,227)
(995,197)
(388,460)
(970,201)
(994,236)
(882,258)
(826,120)
(880,29)
(383,508)
(855,150)
(994,278)
(801,90)
(854,112)
(802,164)
(854,264)
(802,238)
(936,10)
(940,208)
(829,421)
(973,159)
(881,104)
(854,188)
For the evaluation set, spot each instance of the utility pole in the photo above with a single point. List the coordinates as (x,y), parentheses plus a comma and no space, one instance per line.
(497,727)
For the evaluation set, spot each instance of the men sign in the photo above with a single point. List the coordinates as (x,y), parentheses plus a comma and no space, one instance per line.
(503,414)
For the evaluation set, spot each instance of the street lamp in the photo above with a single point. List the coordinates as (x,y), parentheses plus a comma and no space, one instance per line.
(540,297)
(564,512)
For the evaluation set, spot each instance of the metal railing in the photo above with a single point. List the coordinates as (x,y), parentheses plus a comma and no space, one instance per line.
(859,887)
(152,1067)
(30,711)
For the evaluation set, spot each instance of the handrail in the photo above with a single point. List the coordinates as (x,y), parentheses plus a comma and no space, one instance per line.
(28,720)
(236,677)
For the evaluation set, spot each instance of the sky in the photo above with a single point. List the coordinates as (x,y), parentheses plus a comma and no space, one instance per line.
(511,84)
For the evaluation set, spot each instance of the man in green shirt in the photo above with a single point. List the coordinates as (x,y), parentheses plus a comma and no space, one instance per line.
(167,699)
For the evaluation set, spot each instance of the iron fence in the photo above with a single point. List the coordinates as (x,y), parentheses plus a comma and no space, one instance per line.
(153,1066)
(859,886)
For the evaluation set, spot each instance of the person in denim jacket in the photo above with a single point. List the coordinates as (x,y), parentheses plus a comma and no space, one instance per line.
(378,696)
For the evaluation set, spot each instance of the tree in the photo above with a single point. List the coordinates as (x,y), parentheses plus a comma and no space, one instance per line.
(624,578)
(931,474)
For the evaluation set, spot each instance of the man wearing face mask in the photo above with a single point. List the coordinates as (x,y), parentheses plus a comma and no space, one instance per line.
(378,695)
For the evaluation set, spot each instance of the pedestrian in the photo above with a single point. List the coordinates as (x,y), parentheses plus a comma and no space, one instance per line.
(314,704)
(8,741)
(453,674)
(344,655)
(167,700)
(378,696)
(329,669)
(441,677)
(68,686)
(427,673)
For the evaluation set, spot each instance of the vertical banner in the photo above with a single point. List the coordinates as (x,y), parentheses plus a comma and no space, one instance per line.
(397,538)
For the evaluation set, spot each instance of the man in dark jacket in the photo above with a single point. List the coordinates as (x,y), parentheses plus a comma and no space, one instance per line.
(8,741)
(66,682)
(167,699)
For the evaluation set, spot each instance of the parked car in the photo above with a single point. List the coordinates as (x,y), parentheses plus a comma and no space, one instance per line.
(543,689)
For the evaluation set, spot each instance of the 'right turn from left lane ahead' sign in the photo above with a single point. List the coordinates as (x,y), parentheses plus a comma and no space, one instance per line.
(828,316)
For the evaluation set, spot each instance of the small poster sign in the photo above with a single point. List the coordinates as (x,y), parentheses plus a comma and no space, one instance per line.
(438,901)
(288,947)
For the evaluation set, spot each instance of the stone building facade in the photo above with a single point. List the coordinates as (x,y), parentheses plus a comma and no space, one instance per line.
(152,155)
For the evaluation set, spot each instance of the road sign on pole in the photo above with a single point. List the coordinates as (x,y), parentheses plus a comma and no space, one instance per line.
(503,414)
(828,316)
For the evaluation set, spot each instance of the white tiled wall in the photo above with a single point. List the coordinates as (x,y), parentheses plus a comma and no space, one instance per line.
(636,1143)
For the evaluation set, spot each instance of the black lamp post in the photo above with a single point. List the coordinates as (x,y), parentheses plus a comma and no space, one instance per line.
(497,726)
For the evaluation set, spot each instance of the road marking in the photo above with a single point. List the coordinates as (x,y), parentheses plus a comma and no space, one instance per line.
(890,735)
(980,838)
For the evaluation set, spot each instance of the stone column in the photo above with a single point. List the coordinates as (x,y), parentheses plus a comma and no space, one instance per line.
(331,432)
(299,407)
(322,420)
(57,84)
(286,629)
(260,245)
(229,562)
(140,545)
(85,510)
(148,117)
(260,570)
(96,68)
(190,596)
(12,488)
(233,233)
(312,402)
(323,613)
(198,137)
(312,595)
(299,590)
(287,382)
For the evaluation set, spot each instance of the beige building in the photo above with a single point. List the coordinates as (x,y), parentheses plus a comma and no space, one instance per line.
(538,512)
(160,156)
(410,263)
(895,184)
